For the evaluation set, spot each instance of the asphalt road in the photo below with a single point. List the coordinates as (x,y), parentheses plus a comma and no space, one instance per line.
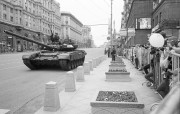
(22,90)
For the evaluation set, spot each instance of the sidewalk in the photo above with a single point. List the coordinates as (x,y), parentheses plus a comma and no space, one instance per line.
(78,102)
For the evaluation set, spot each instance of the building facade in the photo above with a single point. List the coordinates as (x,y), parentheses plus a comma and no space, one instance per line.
(150,16)
(136,20)
(34,19)
(87,37)
(166,18)
(71,28)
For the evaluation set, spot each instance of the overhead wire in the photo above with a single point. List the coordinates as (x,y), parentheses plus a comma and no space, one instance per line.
(107,3)
(87,8)
(99,7)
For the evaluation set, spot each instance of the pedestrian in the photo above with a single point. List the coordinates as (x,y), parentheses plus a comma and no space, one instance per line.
(136,56)
(105,51)
(113,53)
(108,52)
(163,88)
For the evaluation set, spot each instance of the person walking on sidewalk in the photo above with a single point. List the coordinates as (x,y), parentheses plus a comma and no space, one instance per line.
(113,53)
(108,52)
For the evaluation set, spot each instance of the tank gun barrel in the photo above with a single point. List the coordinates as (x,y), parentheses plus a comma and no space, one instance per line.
(30,40)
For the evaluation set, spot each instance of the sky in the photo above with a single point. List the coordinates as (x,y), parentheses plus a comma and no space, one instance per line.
(94,12)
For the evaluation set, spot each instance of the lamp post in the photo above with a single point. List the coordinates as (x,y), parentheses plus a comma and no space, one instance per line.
(111,24)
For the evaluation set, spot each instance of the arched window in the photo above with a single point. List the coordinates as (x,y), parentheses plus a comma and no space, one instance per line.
(34,37)
(26,35)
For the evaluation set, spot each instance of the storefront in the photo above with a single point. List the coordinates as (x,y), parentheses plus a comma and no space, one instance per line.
(9,43)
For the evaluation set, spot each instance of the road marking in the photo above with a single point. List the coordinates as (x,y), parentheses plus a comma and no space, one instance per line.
(11,67)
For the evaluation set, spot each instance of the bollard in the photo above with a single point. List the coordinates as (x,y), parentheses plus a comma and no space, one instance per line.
(70,85)
(86,68)
(91,65)
(94,63)
(97,61)
(80,74)
(51,99)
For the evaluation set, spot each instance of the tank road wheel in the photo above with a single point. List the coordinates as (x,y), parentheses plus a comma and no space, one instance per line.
(73,65)
(82,61)
(76,63)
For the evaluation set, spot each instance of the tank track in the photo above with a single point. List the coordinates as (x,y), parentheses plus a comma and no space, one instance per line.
(63,64)
(69,65)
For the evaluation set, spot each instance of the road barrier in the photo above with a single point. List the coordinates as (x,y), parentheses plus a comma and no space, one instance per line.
(86,68)
(51,100)
(94,63)
(80,74)
(91,65)
(70,85)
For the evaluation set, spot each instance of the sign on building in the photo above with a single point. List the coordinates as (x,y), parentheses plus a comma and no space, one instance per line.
(131,32)
(123,32)
(143,23)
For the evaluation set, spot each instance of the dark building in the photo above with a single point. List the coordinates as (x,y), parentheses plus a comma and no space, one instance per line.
(13,42)
(150,16)
(140,20)
(166,17)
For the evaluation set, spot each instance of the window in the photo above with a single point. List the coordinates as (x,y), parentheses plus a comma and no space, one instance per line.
(26,35)
(20,20)
(66,22)
(160,17)
(4,7)
(20,12)
(156,20)
(16,11)
(11,18)
(4,16)
(11,10)
(26,23)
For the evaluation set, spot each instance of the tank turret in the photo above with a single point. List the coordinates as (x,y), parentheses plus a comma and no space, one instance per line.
(57,54)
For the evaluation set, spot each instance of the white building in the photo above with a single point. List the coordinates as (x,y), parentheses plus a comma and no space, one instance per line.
(87,37)
(32,18)
(71,28)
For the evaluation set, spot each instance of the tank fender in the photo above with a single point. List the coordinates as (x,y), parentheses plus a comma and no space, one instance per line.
(30,56)
(63,56)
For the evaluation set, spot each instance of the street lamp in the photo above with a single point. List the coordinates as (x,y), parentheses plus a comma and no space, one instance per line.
(111,24)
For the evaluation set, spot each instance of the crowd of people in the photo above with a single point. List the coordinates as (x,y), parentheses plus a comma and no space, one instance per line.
(156,64)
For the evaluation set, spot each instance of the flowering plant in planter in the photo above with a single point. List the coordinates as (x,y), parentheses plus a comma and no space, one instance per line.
(117,96)
(117,70)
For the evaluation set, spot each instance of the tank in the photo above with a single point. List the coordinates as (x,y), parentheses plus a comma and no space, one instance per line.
(61,55)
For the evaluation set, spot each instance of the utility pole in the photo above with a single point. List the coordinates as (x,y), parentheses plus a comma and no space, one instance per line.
(111,24)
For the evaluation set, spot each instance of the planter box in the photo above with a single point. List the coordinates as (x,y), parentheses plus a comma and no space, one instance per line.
(117,63)
(114,67)
(118,76)
(114,62)
(116,107)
